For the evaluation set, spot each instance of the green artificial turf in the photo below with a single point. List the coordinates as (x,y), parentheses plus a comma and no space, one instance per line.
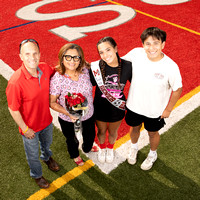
(174,176)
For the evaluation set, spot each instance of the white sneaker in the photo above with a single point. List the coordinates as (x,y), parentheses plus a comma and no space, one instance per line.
(102,155)
(148,162)
(132,156)
(109,155)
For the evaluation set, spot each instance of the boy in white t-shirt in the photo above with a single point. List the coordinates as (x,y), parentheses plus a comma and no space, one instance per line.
(155,78)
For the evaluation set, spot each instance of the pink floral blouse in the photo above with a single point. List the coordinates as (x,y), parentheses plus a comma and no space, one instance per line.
(61,85)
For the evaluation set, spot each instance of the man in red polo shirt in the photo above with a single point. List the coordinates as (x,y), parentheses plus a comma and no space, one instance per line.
(28,102)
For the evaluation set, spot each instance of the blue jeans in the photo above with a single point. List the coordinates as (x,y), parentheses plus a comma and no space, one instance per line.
(31,147)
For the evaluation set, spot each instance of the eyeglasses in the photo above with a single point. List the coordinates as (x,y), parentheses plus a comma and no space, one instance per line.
(69,58)
(28,40)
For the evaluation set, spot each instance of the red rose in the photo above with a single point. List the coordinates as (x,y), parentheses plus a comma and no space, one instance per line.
(78,101)
(70,104)
(80,95)
(82,99)
(74,99)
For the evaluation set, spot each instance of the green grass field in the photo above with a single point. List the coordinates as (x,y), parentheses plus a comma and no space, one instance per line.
(175,175)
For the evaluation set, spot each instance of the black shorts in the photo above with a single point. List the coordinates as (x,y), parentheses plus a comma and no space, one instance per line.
(150,124)
(107,112)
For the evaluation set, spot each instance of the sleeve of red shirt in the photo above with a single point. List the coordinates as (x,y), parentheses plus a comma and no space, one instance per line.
(48,69)
(13,96)
(52,71)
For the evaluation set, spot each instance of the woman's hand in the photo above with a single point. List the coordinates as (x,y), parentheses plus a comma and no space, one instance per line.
(57,107)
(73,118)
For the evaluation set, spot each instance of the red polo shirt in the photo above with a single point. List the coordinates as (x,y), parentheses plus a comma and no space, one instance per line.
(30,96)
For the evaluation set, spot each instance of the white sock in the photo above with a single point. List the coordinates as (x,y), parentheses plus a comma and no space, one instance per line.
(135,145)
(152,153)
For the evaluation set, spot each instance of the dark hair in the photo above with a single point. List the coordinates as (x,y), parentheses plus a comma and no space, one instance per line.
(60,67)
(28,40)
(155,33)
(102,63)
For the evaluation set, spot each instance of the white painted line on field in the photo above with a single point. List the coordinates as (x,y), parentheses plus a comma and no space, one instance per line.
(5,70)
(121,152)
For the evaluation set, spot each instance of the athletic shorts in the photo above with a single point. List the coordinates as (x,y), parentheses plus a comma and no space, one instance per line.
(150,124)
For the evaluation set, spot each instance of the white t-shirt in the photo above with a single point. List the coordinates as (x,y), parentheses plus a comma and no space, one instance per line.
(152,83)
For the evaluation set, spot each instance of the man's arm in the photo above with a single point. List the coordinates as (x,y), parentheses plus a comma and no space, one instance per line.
(16,115)
(174,98)
(128,56)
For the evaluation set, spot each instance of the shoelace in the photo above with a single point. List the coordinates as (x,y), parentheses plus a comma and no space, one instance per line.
(149,159)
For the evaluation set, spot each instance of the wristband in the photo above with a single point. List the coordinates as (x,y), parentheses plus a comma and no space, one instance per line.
(25,130)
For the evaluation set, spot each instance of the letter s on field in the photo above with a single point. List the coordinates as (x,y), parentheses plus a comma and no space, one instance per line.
(29,12)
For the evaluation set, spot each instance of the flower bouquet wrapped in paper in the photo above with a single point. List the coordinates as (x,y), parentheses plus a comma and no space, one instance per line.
(77,105)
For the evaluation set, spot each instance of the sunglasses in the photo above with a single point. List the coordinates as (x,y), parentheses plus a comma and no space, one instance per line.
(69,58)
(28,40)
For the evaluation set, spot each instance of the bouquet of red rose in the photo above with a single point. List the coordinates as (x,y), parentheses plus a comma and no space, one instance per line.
(76,104)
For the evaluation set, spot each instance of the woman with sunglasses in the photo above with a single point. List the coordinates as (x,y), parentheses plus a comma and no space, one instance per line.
(72,76)
(110,75)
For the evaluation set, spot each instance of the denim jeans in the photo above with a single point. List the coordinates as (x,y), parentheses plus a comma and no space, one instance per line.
(31,147)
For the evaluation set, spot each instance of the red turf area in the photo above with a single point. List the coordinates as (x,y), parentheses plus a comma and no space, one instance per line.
(182,45)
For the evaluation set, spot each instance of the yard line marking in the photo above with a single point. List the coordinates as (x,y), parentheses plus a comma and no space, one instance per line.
(167,22)
(162,20)
(114,2)
(59,182)
(17,26)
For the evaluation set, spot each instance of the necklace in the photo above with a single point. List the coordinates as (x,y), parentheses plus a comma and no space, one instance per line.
(67,76)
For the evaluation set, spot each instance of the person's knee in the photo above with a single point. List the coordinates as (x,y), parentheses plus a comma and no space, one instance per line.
(136,129)
(101,132)
(113,133)
(153,134)
(102,128)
